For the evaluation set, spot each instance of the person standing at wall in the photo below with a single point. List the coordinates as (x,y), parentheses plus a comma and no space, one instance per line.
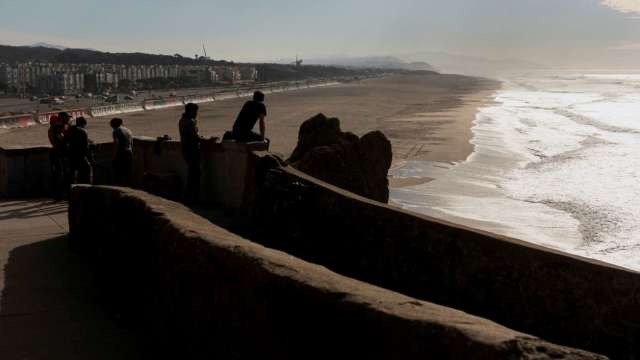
(123,153)
(190,139)
(252,112)
(65,119)
(56,155)
(79,164)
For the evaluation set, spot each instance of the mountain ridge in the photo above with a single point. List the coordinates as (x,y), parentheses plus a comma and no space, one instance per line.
(47,45)
(49,53)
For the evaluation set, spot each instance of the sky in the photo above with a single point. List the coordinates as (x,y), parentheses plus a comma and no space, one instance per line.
(552,32)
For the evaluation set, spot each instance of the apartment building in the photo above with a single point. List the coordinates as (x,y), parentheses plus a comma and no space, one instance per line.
(54,78)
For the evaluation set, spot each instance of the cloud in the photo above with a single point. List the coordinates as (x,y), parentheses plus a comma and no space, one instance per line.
(625,6)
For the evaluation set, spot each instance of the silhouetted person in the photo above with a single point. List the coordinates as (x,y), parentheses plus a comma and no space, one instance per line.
(123,153)
(56,155)
(252,112)
(190,139)
(65,119)
(79,156)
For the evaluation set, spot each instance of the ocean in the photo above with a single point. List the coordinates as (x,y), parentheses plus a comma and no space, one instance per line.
(556,163)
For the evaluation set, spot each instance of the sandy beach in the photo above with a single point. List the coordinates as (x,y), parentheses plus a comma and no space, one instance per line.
(426,117)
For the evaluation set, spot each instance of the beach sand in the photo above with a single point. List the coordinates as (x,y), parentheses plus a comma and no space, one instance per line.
(426,116)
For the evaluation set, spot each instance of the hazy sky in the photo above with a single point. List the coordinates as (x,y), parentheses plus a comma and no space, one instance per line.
(549,31)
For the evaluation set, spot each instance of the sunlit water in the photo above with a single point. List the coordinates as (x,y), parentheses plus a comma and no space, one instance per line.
(556,162)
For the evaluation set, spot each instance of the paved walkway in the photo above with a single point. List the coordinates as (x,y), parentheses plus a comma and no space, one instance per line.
(48,305)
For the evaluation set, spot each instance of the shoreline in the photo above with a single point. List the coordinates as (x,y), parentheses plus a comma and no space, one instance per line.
(542,173)
(451,142)
(468,185)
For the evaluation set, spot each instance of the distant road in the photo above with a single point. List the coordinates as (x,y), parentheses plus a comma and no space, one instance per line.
(17,105)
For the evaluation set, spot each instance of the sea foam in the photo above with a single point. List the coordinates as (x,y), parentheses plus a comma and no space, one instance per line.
(556,162)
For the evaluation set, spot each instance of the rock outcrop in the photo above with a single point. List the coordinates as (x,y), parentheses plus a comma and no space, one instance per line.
(359,165)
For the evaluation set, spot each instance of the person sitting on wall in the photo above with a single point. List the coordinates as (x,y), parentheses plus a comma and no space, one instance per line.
(252,112)
(123,153)
(79,163)
(190,139)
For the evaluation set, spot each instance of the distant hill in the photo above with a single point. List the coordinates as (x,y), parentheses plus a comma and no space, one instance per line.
(12,54)
(266,72)
(280,72)
(53,46)
(472,65)
(50,46)
(372,62)
(51,53)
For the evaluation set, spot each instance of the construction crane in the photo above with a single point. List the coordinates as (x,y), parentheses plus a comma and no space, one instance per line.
(205,57)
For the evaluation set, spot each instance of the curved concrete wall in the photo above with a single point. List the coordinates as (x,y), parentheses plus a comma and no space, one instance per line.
(228,170)
(563,298)
(25,172)
(589,305)
(202,291)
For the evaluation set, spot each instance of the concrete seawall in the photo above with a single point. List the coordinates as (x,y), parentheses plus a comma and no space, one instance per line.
(563,298)
(228,177)
(196,286)
(556,296)
(25,172)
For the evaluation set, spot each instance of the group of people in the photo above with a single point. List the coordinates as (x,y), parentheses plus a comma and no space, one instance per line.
(71,155)
(72,159)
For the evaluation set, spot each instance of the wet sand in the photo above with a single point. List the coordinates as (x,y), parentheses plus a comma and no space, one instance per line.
(426,117)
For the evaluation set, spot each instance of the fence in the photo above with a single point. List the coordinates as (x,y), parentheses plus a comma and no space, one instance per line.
(44,117)
(25,120)
(16,121)
(226,95)
(162,103)
(116,109)
(197,99)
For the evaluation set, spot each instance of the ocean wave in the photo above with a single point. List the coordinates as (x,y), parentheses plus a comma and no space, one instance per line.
(557,168)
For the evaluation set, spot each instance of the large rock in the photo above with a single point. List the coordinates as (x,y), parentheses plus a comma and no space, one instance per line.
(359,165)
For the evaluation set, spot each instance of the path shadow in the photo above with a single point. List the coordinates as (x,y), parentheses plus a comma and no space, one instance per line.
(50,308)
(31,209)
